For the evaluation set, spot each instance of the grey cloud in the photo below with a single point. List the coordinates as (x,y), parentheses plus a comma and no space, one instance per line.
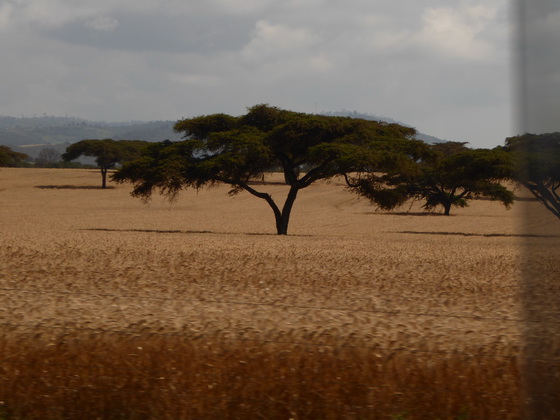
(139,32)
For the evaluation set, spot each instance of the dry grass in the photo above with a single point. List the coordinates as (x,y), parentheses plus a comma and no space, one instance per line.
(115,309)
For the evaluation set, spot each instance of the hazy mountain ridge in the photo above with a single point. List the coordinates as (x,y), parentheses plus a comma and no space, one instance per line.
(355,114)
(30,135)
(57,130)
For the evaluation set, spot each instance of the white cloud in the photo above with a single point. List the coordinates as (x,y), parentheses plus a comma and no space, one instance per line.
(456,32)
(274,40)
(279,53)
(481,11)
(447,32)
(103,24)
(51,13)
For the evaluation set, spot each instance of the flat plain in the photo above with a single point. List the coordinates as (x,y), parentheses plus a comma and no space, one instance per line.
(114,308)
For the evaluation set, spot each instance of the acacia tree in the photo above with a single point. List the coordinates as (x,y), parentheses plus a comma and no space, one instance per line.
(449,174)
(537,160)
(8,157)
(108,153)
(231,150)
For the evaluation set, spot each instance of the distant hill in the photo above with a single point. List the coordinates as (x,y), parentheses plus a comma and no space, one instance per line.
(355,114)
(30,135)
(55,130)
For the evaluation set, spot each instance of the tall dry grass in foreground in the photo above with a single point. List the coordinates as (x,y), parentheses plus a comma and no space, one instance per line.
(114,310)
(110,376)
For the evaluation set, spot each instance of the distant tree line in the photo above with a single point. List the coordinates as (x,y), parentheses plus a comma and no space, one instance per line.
(47,158)
(108,154)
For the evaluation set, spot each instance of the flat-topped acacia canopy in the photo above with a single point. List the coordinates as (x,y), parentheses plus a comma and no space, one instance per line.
(449,174)
(108,153)
(220,148)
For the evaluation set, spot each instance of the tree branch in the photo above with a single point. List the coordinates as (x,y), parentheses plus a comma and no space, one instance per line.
(313,174)
(251,190)
(347,179)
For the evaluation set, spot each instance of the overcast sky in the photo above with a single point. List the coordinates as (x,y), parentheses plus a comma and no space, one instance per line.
(442,66)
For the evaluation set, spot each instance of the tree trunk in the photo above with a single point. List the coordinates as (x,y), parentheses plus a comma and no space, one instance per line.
(281,226)
(447,208)
(283,219)
(104,178)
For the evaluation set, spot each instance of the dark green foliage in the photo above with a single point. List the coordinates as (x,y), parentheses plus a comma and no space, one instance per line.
(237,150)
(10,158)
(537,166)
(445,174)
(108,153)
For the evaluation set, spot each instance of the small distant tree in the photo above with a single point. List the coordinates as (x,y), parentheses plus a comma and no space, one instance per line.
(10,158)
(221,149)
(447,175)
(47,157)
(108,153)
(537,164)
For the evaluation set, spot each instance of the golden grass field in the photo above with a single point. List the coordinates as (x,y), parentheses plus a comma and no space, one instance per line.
(115,309)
